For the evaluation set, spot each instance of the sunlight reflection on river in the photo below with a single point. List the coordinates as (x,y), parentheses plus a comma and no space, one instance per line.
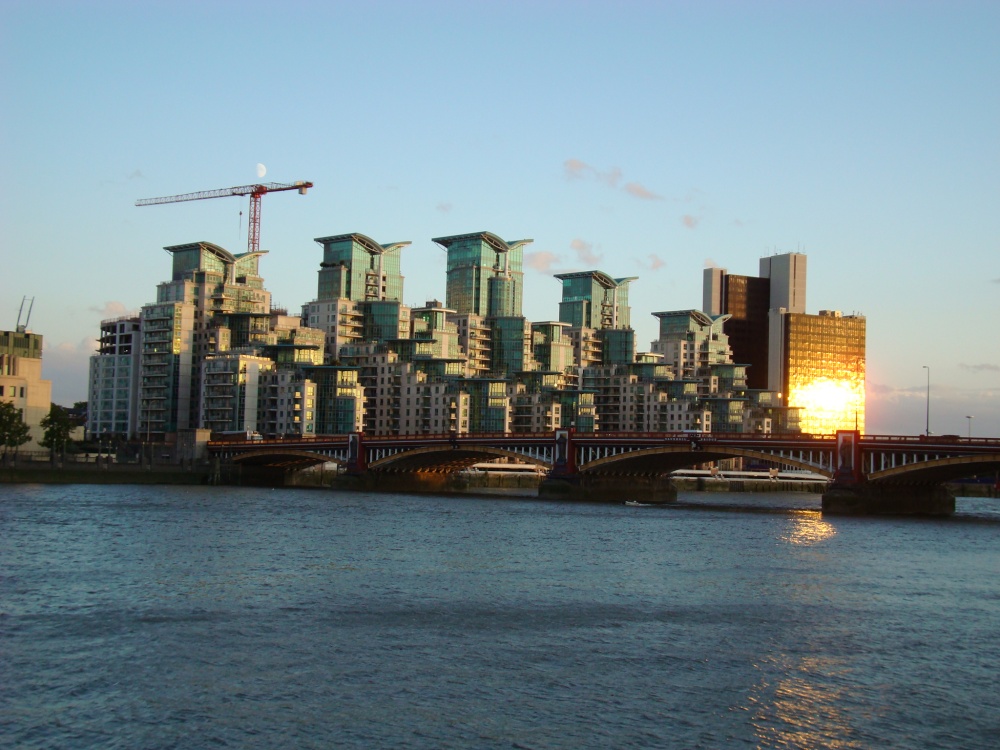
(806,527)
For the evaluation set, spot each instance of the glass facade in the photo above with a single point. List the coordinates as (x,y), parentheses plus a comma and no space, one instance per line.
(381,320)
(551,348)
(592,299)
(356,267)
(475,259)
(617,346)
(824,370)
(508,350)
(339,399)
(488,405)
(746,299)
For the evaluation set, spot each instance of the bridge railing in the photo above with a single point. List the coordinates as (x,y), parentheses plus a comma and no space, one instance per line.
(933,440)
(678,436)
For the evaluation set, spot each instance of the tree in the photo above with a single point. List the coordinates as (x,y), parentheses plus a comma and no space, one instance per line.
(13,430)
(58,426)
(78,413)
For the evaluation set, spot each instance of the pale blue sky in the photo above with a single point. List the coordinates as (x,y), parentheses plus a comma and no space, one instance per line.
(643,138)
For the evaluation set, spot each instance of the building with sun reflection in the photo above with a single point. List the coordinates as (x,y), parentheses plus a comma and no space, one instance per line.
(818,363)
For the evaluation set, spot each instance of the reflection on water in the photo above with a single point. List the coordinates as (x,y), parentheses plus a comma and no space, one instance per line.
(807,528)
(804,703)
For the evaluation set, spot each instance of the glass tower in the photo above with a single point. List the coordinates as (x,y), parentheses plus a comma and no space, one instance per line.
(485,274)
(355,267)
(818,362)
(592,299)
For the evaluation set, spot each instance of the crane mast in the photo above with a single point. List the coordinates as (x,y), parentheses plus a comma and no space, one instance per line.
(256,192)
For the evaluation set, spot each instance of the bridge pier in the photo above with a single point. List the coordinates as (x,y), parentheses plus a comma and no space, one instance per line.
(876,498)
(609,488)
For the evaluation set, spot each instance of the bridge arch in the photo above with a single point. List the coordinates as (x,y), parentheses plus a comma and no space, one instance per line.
(937,470)
(447,458)
(285,456)
(682,456)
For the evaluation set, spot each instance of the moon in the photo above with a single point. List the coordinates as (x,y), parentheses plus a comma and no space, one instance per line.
(261,170)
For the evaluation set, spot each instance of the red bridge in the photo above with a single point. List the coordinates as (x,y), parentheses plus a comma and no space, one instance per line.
(868,473)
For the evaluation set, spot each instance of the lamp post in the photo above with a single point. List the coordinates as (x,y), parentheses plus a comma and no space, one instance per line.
(970,418)
(927,428)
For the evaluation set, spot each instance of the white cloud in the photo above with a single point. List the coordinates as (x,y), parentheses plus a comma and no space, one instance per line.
(542,261)
(639,191)
(576,169)
(585,252)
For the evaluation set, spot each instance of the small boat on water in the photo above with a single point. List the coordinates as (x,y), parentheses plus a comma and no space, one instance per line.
(636,504)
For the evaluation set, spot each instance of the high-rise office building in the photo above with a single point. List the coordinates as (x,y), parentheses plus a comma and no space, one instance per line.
(787,275)
(818,363)
(485,274)
(747,300)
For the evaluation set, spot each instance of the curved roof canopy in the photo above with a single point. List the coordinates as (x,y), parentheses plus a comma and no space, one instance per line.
(600,277)
(218,251)
(370,245)
(489,238)
(703,319)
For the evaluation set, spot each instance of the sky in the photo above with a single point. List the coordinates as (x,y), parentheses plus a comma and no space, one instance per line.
(649,139)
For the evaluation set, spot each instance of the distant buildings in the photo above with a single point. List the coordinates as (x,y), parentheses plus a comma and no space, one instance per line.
(817,362)
(211,354)
(112,405)
(748,300)
(21,380)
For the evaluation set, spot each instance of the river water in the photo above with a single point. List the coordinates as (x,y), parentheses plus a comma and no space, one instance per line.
(191,617)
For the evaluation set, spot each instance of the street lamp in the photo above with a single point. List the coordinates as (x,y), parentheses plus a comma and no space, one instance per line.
(927,428)
(970,418)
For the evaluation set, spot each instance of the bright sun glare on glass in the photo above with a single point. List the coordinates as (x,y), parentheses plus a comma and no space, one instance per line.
(829,405)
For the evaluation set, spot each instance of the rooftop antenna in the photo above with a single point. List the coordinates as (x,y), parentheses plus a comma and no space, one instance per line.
(24,328)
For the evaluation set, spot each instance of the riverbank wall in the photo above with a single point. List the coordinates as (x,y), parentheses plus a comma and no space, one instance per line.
(32,473)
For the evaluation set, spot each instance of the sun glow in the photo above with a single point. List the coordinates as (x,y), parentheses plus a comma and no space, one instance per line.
(829,405)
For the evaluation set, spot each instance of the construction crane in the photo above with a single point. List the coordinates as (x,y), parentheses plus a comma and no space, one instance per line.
(256,192)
